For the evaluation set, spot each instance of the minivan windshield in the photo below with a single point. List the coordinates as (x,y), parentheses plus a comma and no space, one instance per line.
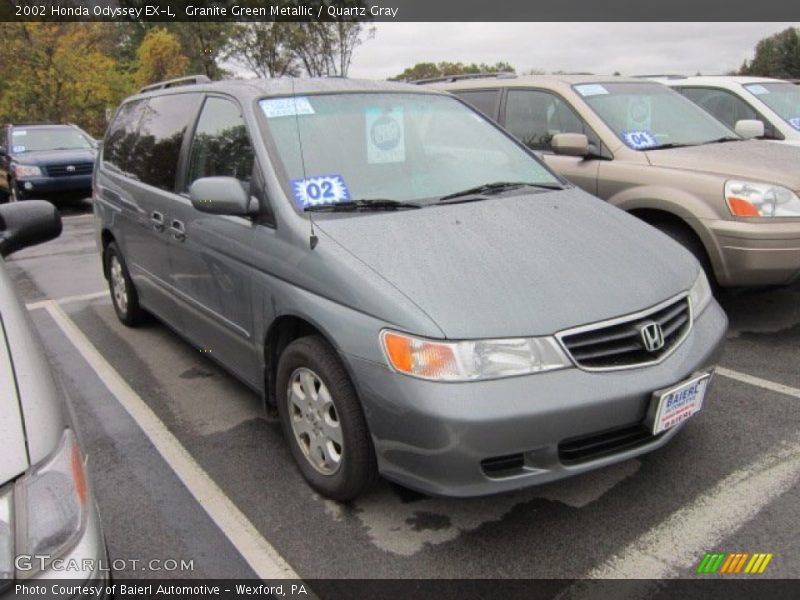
(47,138)
(646,116)
(401,147)
(783,98)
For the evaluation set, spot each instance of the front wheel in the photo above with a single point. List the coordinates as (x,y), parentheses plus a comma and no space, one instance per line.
(689,240)
(322,420)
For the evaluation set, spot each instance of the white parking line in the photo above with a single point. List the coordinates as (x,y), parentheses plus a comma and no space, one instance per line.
(67,300)
(258,552)
(758,382)
(680,541)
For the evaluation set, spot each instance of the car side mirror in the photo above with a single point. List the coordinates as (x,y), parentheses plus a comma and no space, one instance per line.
(28,223)
(750,128)
(222,196)
(570,144)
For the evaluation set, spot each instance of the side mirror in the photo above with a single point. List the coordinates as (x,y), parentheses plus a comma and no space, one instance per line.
(570,144)
(27,223)
(750,128)
(222,196)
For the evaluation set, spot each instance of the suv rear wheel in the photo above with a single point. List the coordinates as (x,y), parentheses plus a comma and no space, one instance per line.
(322,420)
(123,294)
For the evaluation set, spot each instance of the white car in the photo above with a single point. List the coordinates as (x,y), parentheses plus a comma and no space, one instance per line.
(774,102)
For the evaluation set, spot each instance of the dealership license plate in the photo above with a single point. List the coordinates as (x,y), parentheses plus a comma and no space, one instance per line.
(674,405)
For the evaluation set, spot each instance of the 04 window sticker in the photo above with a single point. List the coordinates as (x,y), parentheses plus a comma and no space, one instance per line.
(321,189)
(639,139)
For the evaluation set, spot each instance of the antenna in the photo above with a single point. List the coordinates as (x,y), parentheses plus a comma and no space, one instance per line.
(313,240)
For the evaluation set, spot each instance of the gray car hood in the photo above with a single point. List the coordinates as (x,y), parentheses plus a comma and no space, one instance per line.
(521,265)
(754,159)
(14,457)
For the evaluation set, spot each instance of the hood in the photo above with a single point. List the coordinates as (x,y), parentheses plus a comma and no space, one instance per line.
(752,159)
(518,265)
(14,459)
(55,157)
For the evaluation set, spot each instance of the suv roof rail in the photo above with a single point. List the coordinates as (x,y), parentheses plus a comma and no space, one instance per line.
(188,80)
(661,76)
(451,78)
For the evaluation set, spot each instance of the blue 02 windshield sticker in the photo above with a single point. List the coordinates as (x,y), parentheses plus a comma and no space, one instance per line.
(638,140)
(286,107)
(324,189)
(794,122)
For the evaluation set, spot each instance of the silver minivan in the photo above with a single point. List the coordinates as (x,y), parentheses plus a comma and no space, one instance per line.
(416,292)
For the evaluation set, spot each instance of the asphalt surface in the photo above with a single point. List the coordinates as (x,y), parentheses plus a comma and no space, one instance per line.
(728,482)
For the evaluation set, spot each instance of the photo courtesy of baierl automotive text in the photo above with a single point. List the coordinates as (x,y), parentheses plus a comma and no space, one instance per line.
(343,299)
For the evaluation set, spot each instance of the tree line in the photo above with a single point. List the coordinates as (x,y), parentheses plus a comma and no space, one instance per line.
(75,72)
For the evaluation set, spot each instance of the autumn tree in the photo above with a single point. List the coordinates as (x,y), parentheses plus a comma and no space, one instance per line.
(59,72)
(159,57)
(776,56)
(428,70)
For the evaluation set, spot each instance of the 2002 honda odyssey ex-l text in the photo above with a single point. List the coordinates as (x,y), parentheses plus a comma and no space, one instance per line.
(417,293)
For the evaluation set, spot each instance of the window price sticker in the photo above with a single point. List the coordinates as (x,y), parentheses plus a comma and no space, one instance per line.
(324,189)
(757,89)
(590,89)
(286,107)
(18,133)
(795,122)
(639,140)
(19,148)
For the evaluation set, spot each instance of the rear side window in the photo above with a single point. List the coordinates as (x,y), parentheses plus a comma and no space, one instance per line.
(484,100)
(221,146)
(161,130)
(122,136)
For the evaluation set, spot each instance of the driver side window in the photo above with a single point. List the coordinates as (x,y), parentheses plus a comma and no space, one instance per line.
(221,146)
(534,117)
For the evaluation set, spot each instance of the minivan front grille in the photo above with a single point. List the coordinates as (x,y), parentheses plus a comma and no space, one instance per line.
(70,169)
(605,443)
(620,343)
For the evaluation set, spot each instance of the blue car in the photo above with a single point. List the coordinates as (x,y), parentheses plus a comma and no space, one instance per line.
(45,161)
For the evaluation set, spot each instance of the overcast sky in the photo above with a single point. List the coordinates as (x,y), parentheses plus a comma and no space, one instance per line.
(630,48)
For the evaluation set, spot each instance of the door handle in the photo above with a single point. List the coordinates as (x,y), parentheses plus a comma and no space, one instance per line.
(157,219)
(178,230)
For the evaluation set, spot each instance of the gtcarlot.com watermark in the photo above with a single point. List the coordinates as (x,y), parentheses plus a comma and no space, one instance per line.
(36,562)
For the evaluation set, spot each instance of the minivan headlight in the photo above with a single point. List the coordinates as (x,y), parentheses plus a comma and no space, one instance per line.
(471,360)
(700,294)
(753,199)
(51,502)
(7,534)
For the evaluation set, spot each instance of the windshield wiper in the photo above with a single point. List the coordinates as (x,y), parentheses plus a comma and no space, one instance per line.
(668,145)
(725,138)
(497,187)
(362,204)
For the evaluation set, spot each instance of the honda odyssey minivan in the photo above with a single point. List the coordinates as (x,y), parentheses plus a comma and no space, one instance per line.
(416,292)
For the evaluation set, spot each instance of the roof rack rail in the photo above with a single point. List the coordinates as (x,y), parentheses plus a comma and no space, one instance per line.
(188,80)
(451,78)
(660,76)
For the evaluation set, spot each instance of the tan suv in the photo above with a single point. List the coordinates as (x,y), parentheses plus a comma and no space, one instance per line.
(648,150)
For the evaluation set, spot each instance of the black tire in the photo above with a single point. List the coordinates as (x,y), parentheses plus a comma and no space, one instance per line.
(357,467)
(689,240)
(128,311)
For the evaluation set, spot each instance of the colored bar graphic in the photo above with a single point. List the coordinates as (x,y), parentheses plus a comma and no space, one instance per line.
(734,563)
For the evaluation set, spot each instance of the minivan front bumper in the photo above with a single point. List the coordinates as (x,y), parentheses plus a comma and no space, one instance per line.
(478,438)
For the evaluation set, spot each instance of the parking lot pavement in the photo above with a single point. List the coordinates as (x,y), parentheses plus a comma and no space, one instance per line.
(728,482)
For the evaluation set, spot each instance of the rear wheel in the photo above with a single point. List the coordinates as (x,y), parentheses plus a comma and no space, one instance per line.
(322,420)
(123,294)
